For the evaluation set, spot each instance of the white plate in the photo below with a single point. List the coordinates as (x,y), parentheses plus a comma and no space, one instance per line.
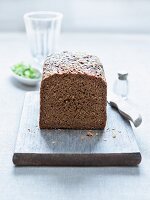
(27,81)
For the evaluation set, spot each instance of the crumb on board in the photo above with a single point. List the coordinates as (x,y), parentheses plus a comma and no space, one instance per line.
(90,133)
(53,142)
(29,129)
(114,134)
(107,130)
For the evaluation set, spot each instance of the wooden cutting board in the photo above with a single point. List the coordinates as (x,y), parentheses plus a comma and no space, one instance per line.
(114,146)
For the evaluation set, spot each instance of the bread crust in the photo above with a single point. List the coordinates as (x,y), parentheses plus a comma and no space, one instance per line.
(73,96)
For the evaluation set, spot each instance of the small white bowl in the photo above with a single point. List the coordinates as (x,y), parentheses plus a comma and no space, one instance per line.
(27,81)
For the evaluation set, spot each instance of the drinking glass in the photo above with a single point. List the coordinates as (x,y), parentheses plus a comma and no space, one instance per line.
(43,30)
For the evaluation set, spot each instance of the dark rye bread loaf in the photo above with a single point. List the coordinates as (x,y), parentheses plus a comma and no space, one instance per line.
(73,92)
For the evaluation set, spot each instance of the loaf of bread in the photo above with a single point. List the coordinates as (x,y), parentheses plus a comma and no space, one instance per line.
(73,92)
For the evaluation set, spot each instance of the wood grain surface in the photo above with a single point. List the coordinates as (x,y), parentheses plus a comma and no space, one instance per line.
(114,146)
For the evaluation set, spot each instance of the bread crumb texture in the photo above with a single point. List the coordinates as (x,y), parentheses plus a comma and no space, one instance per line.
(73,92)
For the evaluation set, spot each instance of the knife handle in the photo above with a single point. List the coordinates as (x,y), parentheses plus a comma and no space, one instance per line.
(127,111)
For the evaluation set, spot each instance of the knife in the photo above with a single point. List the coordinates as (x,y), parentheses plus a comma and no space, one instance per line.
(125,109)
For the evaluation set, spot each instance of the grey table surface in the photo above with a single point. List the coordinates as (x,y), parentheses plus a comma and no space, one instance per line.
(129,52)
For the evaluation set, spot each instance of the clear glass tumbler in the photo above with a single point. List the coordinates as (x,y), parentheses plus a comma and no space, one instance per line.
(43,30)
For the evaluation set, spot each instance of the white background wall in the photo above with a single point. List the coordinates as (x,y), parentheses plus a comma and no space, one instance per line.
(82,15)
